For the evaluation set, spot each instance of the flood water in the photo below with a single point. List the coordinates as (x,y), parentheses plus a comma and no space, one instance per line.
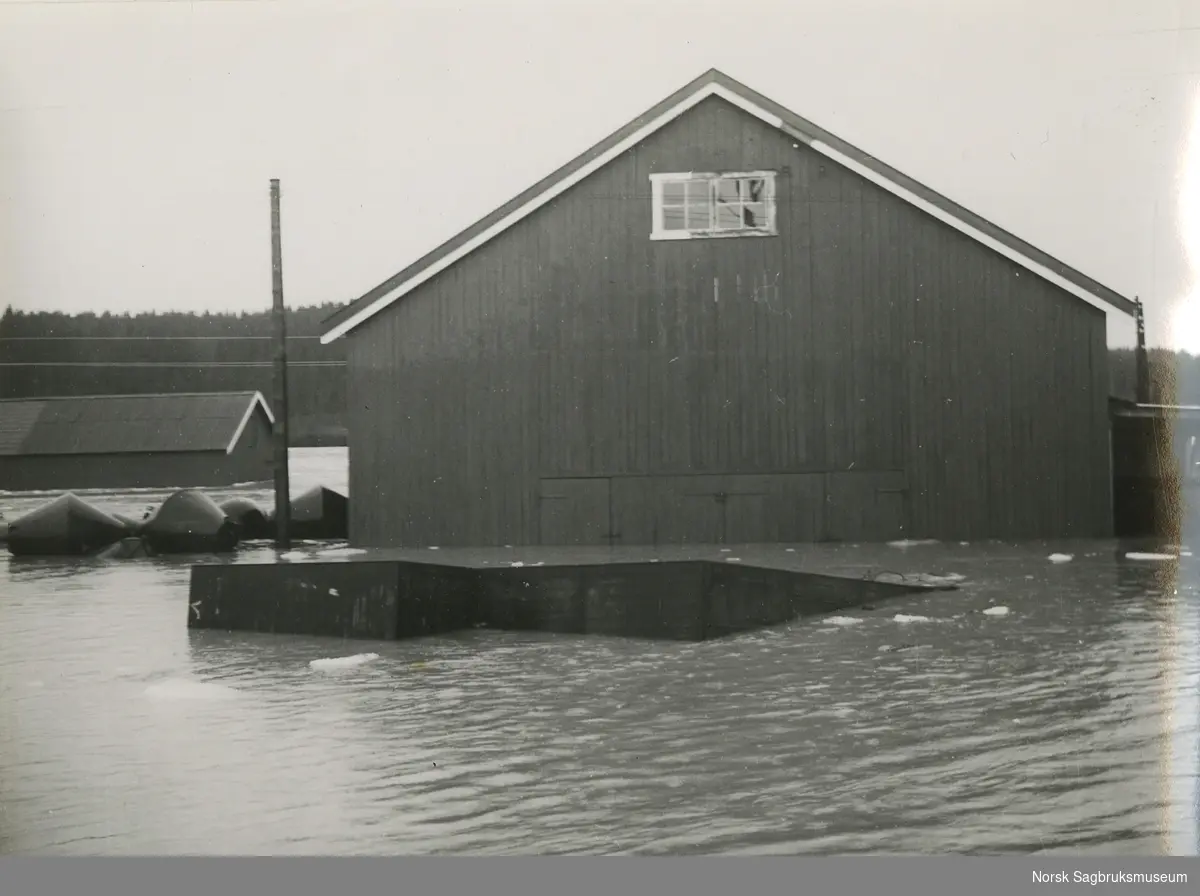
(923,725)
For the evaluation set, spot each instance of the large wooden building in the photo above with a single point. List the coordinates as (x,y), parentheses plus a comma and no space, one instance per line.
(175,440)
(725,324)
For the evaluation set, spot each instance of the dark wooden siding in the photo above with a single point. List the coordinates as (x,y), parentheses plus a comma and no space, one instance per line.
(251,461)
(869,373)
(183,469)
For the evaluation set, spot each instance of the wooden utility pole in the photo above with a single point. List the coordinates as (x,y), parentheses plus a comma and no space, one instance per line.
(283,506)
(1141,358)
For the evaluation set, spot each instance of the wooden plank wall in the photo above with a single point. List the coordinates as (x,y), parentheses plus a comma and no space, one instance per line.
(866,338)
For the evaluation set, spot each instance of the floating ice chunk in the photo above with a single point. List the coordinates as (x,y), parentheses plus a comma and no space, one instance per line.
(342,662)
(996,611)
(293,555)
(516,564)
(841,620)
(911,543)
(733,559)
(921,580)
(1137,555)
(341,552)
(905,618)
(1061,558)
(790,550)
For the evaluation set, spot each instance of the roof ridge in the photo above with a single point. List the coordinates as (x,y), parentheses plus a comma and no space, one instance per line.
(125,395)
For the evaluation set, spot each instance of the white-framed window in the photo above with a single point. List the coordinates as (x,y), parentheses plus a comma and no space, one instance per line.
(698,205)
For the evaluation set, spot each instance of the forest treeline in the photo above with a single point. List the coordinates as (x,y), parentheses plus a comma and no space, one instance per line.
(1174,376)
(52,353)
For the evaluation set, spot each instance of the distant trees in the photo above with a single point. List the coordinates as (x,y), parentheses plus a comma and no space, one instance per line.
(1174,376)
(52,353)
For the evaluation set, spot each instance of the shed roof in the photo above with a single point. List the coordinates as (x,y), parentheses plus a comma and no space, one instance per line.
(716,83)
(1124,408)
(122,424)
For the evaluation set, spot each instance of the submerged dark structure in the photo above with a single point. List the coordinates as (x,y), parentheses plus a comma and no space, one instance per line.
(724,324)
(68,526)
(390,598)
(189,522)
(134,441)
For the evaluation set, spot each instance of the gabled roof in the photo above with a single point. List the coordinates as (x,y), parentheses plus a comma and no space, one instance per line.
(714,83)
(123,424)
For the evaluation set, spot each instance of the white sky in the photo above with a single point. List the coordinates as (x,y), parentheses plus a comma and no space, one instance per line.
(137,138)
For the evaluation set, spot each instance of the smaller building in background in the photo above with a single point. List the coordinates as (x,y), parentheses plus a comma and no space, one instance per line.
(1156,470)
(182,440)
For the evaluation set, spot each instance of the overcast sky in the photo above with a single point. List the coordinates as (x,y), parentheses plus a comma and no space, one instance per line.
(137,138)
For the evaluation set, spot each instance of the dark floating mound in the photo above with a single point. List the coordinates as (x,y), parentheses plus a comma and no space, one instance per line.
(319,514)
(189,522)
(68,526)
(126,549)
(248,517)
(132,526)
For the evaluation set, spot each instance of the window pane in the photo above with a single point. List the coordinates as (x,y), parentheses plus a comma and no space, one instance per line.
(754,189)
(729,216)
(755,214)
(673,191)
(673,218)
(698,217)
(728,190)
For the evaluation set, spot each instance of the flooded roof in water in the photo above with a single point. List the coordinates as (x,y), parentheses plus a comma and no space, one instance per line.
(121,424)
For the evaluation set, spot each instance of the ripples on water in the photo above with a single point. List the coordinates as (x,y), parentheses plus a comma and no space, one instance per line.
(1050,728)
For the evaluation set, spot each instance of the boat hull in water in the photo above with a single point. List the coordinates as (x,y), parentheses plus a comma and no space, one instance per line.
(68,526)
(132,526)
(248,517)
(189,522)
(320,514)
(132,548)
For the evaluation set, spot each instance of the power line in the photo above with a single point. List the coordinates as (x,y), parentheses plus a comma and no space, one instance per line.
(167,363)
(140,338)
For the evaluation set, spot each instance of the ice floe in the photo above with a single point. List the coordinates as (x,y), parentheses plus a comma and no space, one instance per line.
(342,662)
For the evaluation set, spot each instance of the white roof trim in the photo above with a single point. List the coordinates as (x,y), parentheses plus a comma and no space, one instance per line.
(256,401)
(961,226)
(655,124)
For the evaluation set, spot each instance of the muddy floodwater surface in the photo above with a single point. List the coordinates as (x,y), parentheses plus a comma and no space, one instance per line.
(1064,718)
